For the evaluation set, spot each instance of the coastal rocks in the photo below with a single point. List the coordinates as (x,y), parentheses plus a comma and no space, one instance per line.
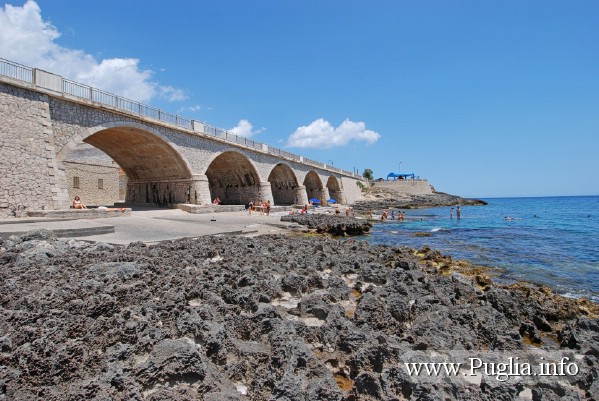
(277,317)
(393,200)
(335,225)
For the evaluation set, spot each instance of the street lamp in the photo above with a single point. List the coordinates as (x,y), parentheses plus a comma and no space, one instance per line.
(399,168)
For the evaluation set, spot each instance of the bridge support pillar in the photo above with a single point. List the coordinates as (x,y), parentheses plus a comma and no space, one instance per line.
(266,192)
(301,196)
(324,196)
(199,190)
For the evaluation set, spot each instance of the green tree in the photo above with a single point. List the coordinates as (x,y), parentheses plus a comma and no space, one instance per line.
(368,174)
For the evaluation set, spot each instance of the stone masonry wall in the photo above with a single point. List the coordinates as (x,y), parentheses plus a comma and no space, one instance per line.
(413,187)
(89,190)
(351,190)
(29,175)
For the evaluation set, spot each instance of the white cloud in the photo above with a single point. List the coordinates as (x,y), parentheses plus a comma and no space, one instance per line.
(321,134)
(172,94)
(27,39)
(245,128)
(190,109)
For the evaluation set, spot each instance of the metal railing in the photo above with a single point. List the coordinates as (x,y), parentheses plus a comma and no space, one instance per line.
(82,91)
(16,71)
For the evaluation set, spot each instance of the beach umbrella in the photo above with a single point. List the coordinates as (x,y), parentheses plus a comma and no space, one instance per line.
(331,201)
(314,200)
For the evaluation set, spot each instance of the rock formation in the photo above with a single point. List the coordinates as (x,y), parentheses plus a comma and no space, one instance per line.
(384,199)
(335,225)
(272,318)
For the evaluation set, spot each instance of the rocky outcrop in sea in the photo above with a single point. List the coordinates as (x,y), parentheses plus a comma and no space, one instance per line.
(393,200)
(275,318)
(330,224)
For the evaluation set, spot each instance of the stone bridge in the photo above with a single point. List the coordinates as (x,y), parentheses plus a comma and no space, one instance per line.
(168,159)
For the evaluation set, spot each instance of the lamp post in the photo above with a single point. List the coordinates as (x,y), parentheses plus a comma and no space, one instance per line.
(399,168)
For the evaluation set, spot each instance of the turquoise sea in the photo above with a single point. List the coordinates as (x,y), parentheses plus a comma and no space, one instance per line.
(552,241)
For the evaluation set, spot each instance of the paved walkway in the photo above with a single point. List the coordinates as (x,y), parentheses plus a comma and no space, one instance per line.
(152,226)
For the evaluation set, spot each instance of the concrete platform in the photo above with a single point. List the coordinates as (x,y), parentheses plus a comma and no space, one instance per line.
(62,228)
(151,225)
(92,213)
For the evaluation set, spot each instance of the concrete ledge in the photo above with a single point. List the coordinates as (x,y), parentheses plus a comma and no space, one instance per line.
(200,209)
(80,213)
(62,230)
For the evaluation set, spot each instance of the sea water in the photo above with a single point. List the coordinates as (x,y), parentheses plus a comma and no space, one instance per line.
(552,241)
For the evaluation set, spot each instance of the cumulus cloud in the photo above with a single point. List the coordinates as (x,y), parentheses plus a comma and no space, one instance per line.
(245,128)
(27,39)
(321,134)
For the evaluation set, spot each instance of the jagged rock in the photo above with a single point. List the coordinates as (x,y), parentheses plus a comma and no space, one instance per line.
(393,200)
(271,317)
(335,225)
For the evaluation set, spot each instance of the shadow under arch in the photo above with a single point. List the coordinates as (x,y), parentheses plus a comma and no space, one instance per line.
(283,184)
(233,179)
(313,186)
(335,191)
(157,173)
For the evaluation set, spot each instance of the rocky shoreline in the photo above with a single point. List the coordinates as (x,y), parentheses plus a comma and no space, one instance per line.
(381,199)
(274,318)
(330,224)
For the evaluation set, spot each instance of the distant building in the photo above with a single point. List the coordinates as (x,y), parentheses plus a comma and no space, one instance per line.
(94,176)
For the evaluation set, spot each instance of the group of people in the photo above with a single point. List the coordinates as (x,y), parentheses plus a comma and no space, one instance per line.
(260,206)
(385,215)
(458,213)
(401,216)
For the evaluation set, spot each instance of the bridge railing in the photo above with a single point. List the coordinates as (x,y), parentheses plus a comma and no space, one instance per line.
(58,84)
(16,71)
(282,153)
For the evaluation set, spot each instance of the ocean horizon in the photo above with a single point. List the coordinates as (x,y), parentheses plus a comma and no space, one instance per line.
(548,240)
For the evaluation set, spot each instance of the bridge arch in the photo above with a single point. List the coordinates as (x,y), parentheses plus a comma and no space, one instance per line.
(233,178)
(136,148)
(314,186)
(157,172)
(335,190)
(283,184)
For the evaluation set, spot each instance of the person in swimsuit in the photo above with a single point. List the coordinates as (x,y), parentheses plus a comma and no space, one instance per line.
(77,204)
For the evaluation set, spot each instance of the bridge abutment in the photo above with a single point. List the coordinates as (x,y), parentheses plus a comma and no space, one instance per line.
(301,196)
(266,192)
(199,190)
(324,197)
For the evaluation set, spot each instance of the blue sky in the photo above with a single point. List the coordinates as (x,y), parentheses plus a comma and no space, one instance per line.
(483,98)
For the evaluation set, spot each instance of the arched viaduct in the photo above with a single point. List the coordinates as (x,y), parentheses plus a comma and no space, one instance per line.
(165,163)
